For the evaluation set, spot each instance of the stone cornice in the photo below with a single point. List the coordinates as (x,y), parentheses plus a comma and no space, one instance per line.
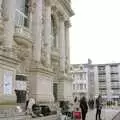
(10,61)
(62,8)
(67,7)
(38,68)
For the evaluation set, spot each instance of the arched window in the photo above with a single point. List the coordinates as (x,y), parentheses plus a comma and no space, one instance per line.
(53,31)
(22,13)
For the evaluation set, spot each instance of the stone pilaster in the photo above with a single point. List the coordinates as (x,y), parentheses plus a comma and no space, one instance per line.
(37,30)
(9,13)
(62,44)
(48,31)
(108,82)
(96,80)
(67,45)
(0,7)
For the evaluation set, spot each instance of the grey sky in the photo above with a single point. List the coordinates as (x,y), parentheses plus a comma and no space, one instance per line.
(95,31)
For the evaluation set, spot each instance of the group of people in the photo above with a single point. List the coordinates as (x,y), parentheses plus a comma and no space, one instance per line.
(83,105)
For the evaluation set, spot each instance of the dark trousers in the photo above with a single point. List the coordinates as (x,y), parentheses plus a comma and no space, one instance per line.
(98,114)
(83,116)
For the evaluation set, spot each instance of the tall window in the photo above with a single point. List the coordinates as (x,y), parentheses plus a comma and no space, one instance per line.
(73,86)
(22,13)
(53,31)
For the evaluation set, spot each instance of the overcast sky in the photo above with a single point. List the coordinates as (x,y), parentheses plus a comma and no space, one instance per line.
(95,31)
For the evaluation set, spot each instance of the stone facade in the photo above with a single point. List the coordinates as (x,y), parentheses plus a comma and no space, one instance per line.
(34,42)
(79,74)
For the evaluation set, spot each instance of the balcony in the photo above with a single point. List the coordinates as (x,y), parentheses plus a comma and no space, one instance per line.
(22,34)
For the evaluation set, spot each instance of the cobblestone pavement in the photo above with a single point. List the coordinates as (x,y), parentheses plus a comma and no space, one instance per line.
(116,117)
(107,114)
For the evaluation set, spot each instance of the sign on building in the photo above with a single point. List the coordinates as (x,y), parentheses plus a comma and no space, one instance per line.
(7,81)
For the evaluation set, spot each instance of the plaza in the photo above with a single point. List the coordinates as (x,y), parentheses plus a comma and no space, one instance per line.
(106,114)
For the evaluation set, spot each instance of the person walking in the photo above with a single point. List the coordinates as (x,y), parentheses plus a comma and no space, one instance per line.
(91,103)
(84,107)
(98,107)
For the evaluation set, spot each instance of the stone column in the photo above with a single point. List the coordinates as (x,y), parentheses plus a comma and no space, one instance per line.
(67,44)
(0,7)
(62,44)
(9,12)
(37,30)
(48,31)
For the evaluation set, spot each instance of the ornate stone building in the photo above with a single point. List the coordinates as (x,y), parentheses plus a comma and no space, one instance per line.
(34,49)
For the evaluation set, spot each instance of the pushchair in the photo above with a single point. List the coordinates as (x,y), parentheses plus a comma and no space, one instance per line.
(36,110)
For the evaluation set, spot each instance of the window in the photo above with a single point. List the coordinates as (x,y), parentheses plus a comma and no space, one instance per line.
(73,86)
(22,13)
(81,86)
(77,86)
(84,76)
(55,91)
(81,76)
(53,31)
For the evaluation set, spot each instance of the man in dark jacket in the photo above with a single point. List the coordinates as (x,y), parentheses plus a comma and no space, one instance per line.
(84,107)
(98,107)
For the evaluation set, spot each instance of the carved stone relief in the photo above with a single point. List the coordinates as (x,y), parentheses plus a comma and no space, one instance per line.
(25,56)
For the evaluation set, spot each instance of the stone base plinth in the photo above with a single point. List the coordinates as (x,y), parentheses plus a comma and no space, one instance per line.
(8,100)
(64,89)
(41,85)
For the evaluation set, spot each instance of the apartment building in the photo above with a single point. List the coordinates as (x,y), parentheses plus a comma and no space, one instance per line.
(107,80)
(91,80)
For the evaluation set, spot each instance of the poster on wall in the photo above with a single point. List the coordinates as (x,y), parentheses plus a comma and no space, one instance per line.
(8,76)
(21,85)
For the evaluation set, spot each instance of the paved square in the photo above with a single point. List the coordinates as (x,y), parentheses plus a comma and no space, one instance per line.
(107,114)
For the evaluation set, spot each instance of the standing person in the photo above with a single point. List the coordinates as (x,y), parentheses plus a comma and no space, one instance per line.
(76,104)
(29,107)
(91,103)
(84,107)
(98,107)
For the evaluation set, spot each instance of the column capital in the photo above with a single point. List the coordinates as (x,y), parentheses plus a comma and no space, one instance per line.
(61,16)
(67,23)
(54,9)
(32,5)
(48,2)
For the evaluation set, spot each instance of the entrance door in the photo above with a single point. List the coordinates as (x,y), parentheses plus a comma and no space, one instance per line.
(21,96)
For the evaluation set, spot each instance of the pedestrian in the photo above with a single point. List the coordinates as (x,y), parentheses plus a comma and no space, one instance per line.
(84,107)
(29,107)
(91,103)
(98,107)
